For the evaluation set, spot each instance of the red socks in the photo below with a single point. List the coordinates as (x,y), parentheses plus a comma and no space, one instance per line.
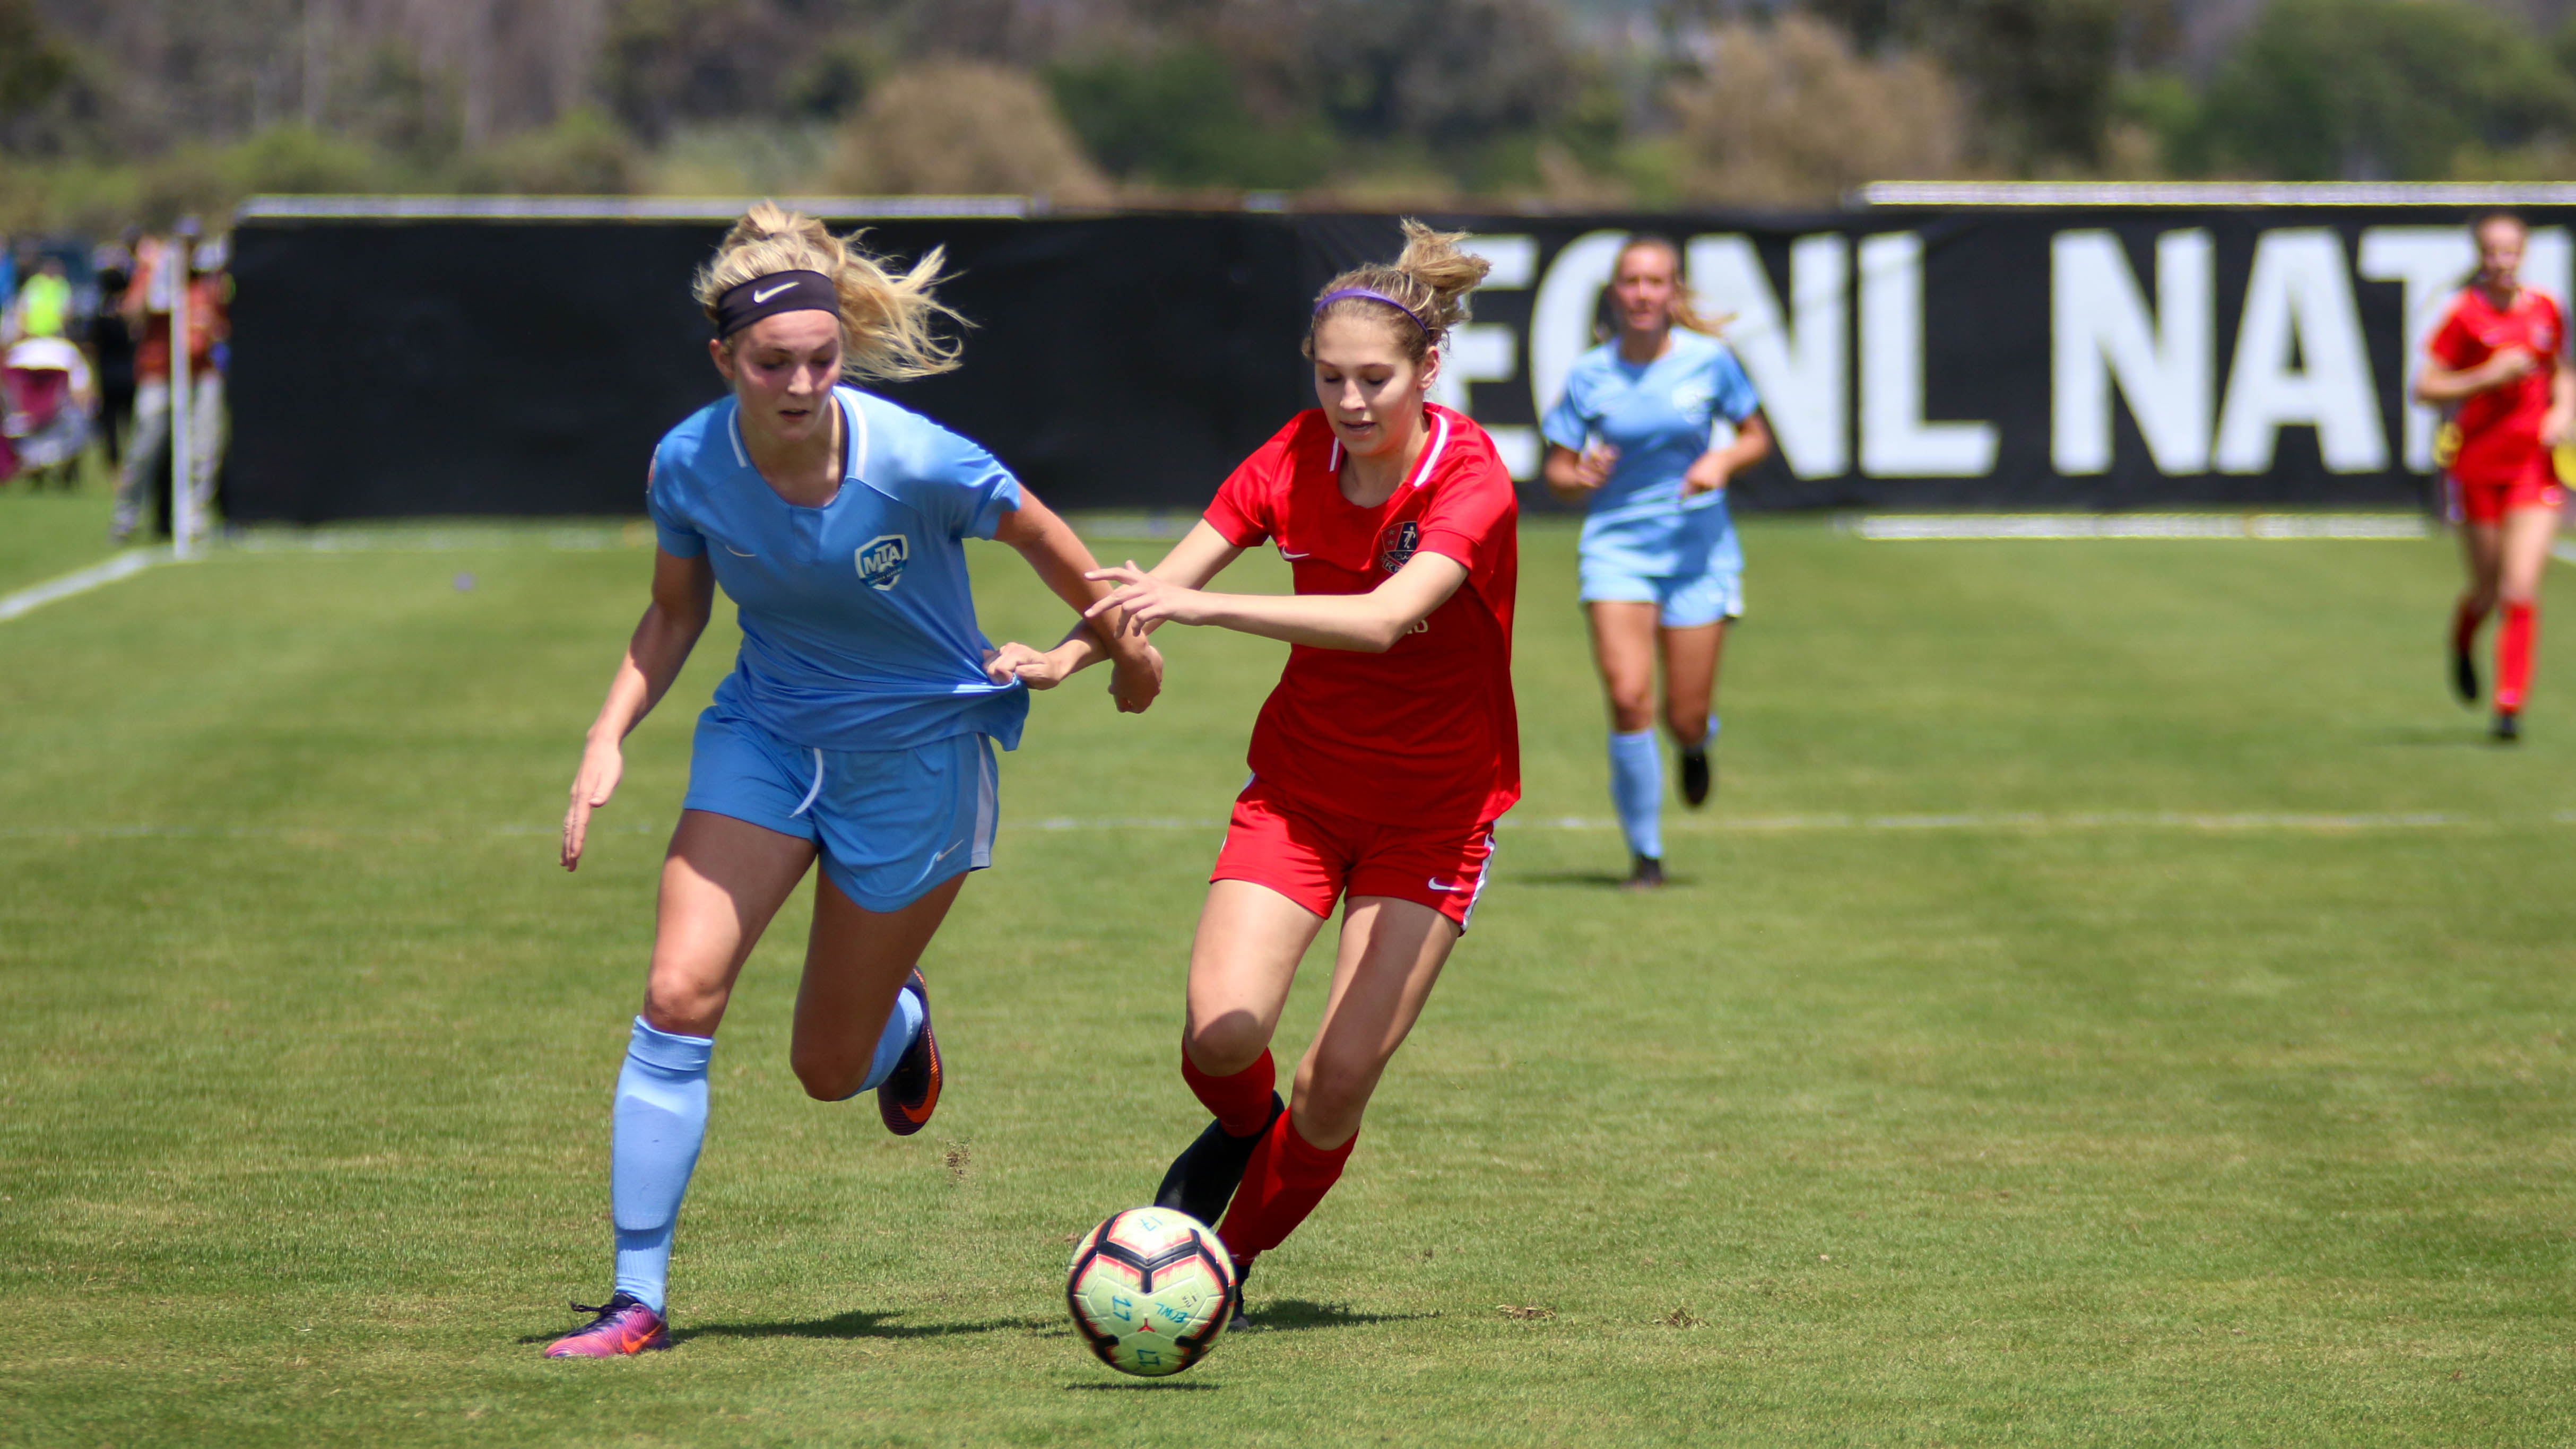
(1286,1178)
(2464,627)
(2513,655)
(1241,1102)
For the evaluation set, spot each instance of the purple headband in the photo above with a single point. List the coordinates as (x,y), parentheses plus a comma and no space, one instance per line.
(768,296)
(1329,298)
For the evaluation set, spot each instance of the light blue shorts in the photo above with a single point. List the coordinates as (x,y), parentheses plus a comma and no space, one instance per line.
(1688,600)
(890,824)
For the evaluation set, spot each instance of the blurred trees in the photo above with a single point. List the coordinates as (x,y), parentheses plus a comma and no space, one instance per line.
(2369,90)
(110,108)
(963,127)
(1788,114)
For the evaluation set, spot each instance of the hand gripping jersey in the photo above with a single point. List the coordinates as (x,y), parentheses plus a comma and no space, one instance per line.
(2500,428)
(1426,733)
(1658,416)
(858,628)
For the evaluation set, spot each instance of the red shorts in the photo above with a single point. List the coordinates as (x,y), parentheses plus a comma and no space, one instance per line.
(1315,858)
(2536,486)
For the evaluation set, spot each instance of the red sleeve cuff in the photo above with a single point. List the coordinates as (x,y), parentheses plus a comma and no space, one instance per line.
(1238,530)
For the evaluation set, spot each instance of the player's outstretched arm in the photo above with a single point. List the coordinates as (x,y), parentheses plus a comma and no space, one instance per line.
(1064,562)
(1369,623)
(684,591)
(1200,556)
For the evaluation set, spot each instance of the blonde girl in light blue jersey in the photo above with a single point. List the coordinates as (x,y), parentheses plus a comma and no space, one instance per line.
(857,729)
(1662,571)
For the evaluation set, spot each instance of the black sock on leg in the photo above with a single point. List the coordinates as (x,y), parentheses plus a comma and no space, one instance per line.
(1203,1178)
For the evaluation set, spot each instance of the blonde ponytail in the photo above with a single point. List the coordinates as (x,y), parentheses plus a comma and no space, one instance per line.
(888,317)
(1430,280)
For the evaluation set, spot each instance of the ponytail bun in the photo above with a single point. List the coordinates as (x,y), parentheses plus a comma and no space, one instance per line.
(1431,277)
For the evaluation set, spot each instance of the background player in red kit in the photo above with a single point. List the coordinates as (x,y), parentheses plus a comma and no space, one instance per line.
(1383,757)
(2499,357)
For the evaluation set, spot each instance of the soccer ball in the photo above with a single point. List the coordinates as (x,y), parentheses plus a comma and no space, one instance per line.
(1148,1290)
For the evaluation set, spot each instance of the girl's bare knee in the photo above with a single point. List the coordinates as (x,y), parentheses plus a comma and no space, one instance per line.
(1631,712)
(1226,1044)
(827,1079)
(682,1008)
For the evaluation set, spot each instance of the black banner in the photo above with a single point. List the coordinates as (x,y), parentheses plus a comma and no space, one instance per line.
(2122,358)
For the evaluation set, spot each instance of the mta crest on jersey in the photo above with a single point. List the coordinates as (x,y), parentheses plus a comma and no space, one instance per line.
(881,560)
(1395,546)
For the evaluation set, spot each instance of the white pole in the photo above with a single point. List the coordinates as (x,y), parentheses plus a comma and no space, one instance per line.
(183,508)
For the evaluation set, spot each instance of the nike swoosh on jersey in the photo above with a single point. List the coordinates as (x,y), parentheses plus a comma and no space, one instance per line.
(738,553)
(760,297)
(1283,553)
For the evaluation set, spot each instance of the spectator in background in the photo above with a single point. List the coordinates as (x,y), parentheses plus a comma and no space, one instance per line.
(45,302)
(161,271)
(111,345)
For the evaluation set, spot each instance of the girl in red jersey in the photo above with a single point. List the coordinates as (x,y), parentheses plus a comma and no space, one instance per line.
(1380,762)
(2498,360)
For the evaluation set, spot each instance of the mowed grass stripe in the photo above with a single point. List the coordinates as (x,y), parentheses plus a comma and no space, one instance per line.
(1998,1134)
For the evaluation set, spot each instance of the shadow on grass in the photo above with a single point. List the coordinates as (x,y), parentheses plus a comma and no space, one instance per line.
(1597,879)
(1146,1386)
(858,1323)
(2468,734)
(1292,1315)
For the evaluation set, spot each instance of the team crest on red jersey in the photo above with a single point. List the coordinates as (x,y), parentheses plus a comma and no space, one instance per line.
(1396,545)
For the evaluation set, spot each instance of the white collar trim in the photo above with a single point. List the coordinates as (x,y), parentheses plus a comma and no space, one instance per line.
(1422,466)
(857,463)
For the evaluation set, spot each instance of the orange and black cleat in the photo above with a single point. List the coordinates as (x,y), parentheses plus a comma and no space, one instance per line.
(624,1326)
(907,1098)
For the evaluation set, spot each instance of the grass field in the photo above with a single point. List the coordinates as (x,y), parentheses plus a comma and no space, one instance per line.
(2116,999)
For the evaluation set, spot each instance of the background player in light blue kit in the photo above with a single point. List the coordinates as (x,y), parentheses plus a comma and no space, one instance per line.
(1662,571)
(859,721)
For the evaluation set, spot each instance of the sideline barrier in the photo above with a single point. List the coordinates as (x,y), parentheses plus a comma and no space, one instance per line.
(1994,348)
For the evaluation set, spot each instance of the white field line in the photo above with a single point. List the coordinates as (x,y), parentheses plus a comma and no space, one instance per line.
(2206,822)
(2563,551)
(81,581)
(1909,528)
(576,538)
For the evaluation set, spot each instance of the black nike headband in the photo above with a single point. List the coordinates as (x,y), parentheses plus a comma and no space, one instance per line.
(768,296)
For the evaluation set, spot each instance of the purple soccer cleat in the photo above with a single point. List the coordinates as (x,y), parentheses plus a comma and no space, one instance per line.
(624,1326)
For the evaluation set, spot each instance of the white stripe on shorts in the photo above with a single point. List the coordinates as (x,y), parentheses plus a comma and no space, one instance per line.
(987,804)
(1482,876)
(808,802)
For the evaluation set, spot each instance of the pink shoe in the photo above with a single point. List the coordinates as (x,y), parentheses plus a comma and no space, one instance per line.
(624,1326)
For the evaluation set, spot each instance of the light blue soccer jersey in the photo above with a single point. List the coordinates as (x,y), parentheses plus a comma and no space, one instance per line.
(858,626)
(1658,416)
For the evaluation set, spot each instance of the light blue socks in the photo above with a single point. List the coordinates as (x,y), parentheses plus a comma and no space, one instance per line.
(661,1121)
(1637,788)
(894,1041)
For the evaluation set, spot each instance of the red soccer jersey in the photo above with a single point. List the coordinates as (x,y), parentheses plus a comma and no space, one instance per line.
(2500,428)
(1426,733)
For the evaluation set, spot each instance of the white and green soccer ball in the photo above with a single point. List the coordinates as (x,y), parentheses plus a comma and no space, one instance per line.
(1148,1290)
